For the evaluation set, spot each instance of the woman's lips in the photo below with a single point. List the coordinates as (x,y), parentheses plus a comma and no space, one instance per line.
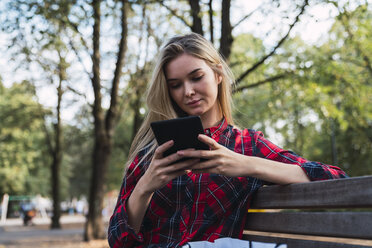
(193,103)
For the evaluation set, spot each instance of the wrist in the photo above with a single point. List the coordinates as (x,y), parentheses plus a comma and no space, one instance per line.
(251,168)
(142,190)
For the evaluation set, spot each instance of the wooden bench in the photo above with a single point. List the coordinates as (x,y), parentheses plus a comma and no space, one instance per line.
(333,213)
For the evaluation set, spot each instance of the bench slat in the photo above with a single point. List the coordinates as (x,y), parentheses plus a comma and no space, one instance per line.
(333,224)
(313,243)
(353,192)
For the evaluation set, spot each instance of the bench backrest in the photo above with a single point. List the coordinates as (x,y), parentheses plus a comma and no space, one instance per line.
(333,213)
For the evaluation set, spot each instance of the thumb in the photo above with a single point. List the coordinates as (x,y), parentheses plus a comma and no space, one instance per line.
(209,141)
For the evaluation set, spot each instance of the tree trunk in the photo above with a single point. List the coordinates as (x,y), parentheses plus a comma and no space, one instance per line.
(57,155)
(137,119)
(226,30)
(211,26)
(57,151)
(104,126)
(94,228)
(100,159)
(333,142)
(196,19)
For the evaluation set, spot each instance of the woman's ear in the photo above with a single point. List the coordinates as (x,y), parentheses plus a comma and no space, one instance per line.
(219,78)
(218,75)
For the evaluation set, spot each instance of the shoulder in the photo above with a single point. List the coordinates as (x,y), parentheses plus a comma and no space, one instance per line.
(246,132)
(243,140)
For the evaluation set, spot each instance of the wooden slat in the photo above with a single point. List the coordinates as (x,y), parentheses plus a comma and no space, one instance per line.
(305,241)
(333,224)
(342,193)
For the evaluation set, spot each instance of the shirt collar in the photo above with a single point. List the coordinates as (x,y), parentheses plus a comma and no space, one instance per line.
(216,130)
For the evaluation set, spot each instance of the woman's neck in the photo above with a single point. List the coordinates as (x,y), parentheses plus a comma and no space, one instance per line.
(211,120)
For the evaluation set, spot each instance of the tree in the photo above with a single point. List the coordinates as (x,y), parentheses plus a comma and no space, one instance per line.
(104,123)
(321,107)
(22,141)
(38,44)
(226,37)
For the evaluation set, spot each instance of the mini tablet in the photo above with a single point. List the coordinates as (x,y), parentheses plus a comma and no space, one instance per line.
(183,131)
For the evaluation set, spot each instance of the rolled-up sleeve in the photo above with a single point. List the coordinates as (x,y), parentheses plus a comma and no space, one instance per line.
(314,170)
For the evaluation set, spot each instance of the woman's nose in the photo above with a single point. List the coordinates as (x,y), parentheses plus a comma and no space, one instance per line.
(189,90)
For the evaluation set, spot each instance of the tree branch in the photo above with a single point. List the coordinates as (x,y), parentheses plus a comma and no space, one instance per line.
(76,92)
(80,59)
(244,18)
(173,12)
(267,80)
(112,112)
(262,60)
(75,28)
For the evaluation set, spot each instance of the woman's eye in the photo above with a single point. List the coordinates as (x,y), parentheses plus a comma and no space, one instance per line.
(197,78)
(175,86)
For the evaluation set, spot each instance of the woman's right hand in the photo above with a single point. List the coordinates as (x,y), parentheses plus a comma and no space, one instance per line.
(159,173)
(164,169)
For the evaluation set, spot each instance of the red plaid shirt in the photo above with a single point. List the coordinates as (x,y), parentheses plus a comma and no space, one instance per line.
(196,207)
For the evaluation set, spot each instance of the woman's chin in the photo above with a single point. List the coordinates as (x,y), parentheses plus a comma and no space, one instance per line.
(195,113)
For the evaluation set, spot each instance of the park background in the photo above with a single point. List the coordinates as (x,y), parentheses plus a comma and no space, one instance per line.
(73,77)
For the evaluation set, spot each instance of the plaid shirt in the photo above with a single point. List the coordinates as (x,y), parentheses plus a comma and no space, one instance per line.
(196,207)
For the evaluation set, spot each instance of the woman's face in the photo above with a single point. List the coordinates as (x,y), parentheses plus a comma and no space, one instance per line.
(193,86)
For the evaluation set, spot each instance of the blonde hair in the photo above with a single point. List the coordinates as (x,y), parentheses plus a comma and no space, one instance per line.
(161,106)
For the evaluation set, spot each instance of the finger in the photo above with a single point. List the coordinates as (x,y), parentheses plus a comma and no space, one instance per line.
(177,174)
(209,171)
(171,159)
(183,165)
(181,169)
(204,165)
(197,154)
(162,148)
(209,141)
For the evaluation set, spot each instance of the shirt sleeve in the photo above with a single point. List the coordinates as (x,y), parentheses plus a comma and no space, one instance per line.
(120,233)
(314,170)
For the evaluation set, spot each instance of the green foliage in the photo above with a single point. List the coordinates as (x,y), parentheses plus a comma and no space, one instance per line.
(327,92)
(78,156)
(22,141)
(122,142)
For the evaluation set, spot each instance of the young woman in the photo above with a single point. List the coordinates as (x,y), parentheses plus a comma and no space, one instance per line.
(167,203)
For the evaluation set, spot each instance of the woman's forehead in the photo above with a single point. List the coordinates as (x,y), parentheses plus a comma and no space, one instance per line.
(184,65)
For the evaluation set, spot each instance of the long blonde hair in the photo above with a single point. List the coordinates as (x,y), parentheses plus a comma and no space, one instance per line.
(159,102)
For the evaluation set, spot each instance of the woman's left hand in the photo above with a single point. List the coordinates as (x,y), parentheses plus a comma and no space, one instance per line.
(218,160)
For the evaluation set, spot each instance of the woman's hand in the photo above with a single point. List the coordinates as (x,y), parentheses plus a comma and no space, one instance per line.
(164,169)
(218,160)
(160,172)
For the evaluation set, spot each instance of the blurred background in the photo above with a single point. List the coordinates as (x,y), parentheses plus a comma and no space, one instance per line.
(73,76)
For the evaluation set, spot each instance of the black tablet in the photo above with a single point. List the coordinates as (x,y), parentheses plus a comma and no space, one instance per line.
(183,131)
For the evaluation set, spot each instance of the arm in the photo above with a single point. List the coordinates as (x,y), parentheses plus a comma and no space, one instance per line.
(273,164)
(136,193)
(160,172)
(314,170)
(273,171)
(120,232)
(221,160)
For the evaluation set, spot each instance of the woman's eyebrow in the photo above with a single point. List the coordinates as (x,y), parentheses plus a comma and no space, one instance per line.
(192,72)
